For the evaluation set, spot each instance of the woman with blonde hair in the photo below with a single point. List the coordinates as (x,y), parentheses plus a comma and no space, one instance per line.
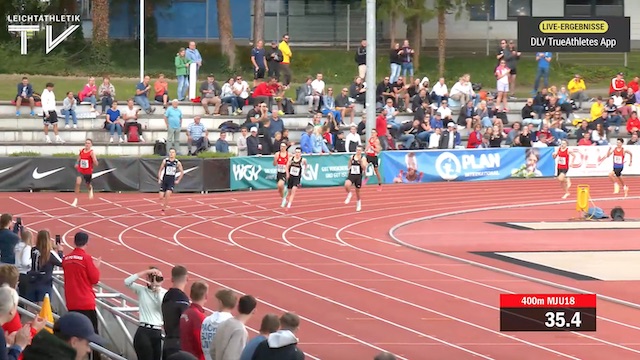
(23,259)
(43,260)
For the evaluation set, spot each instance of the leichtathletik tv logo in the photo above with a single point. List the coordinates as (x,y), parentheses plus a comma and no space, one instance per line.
(23,25)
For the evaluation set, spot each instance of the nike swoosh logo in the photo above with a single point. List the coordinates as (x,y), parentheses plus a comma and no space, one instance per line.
(186,171)
(100,173)
(38,175)
(5,170)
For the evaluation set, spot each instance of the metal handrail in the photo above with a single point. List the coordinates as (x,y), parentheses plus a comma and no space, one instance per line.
(106,352)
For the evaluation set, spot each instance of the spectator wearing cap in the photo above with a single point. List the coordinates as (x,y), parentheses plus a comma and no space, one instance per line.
(191,321)
(80,275)
(231,337)
(8,309)
(274,58)
(282,344)
(210,93)
(253,142)
(173,121)
(577,88)
(617,84)
(147,341)
(174,304)
(8,240)
(270,324)
(71,338)
(449,139)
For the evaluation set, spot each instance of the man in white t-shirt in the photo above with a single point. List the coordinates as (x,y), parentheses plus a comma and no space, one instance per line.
(241,91)
(226,303)
(49,114)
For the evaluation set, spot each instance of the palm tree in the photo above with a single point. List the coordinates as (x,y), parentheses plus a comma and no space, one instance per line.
(390,10)
(258,20)
(225,28)
(100,18)
(415,14)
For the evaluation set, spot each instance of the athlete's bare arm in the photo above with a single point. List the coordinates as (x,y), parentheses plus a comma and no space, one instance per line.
(94,158)
(289,158)
(164,162)
(363,164)
(181,170)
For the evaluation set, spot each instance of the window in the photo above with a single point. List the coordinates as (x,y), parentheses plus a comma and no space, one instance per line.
(593,8)
(478,12)
(517,8)
(273,7)
(319,7)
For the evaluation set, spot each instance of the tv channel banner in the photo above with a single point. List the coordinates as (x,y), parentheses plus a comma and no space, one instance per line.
(258,172)
(601,34)
(466,165)
(588,161)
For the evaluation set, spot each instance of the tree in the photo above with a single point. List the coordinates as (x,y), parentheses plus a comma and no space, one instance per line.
(258,20)
(225,28)
(415,14)
(100,16)
(390,10)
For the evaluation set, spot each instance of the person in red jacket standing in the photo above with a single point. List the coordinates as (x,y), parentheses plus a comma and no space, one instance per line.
(80,275)
(191,320)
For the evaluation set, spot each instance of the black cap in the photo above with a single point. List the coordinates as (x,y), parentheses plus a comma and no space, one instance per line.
(81,238)
(74,324)
(182,355)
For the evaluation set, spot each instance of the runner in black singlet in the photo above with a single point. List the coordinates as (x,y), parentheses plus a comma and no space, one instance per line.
(357,167)
(280,161)
(295,168)
(167,177)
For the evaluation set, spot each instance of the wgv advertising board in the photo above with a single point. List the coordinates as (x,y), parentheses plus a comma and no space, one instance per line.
(466,165)
(258,172)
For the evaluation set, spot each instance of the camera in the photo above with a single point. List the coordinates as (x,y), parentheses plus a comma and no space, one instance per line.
(156,278)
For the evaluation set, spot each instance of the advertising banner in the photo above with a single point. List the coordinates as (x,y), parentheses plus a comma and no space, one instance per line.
(116,174)
(466,165)
(258,172)
(216,174)
(601,34)
(593,161)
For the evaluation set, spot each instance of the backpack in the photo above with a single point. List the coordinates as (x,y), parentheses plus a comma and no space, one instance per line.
(287,105)
(229,126)
(35,274)
(133,136)
(595,213)
(160,148)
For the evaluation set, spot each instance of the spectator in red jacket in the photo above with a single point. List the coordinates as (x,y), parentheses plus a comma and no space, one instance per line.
(475,137)
(633,123)
(634,85)
(9,274)
(191,321)
(80,274)
(617,84)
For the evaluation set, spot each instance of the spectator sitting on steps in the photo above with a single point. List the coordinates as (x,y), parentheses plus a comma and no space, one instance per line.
(161,91)
(222,145)
(210,94)
(198,136)
(142,95)
(130,117)
(25,93)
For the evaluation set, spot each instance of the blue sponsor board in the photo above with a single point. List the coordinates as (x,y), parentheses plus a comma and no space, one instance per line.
(466,165)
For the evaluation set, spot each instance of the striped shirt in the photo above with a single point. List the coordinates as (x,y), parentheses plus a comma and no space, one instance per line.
(196,130)
(149,301)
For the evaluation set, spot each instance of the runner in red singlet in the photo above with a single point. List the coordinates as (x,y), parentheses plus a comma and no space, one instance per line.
(86,161)
(372,151)
(562,155)
(280,161)
(618,165)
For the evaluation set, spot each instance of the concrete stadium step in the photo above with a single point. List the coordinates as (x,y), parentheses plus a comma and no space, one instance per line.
(126,149)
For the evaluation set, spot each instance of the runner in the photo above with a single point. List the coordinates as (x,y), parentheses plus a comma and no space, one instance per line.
(295,168)
(618,165)
(167,177)
(86,161)
(357,166)
(563,155)
(280,161)
(373,149)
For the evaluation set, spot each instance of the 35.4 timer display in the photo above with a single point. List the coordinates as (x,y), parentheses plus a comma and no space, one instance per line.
(548,312)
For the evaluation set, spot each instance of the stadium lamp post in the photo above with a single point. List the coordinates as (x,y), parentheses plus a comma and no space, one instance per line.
(141,34)
(371,67)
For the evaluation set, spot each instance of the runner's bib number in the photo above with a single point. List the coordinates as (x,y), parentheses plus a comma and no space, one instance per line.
(84,164)
(171,171)
(617,159)
(294,171)
(282,168)
(355,170)
(562,161)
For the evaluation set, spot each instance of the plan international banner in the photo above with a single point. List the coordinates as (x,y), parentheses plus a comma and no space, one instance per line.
(602,34)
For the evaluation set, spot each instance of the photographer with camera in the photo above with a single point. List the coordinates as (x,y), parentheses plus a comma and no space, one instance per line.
(147,341)
(8,240)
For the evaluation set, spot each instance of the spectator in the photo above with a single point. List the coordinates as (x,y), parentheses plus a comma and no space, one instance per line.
(253,143)
(222,145)
(142,96)
(9,275)
(439,91)
(317,142)
(193,55)
(274,58)
(198,136)
(617,84)
(391,112)
(353,139)
(232,334)
(241,143)
(401,91)
(241,91)
(361,58)
(599,135)
(318,86)
(357,91)
(107,93)
(515,131)
(449,139)
(50,116)
(43,259)
(8,240)
(270,324)
(265,92)
(633,123)
(161,91)
(174,303)
(228,97)
(226,302)
(406,54)
(282,344)
(69,107)
(182,73)
(395,62)
(385,356)
(89,93)
(544,62)
(8,308)
(22,253)
(329,107)
(113,123)
(633,140)
(80,274)
(613,116)
(147,341)
(512,63)
(475,137)
(173,121)
(577,90)
(584,128)
(210,93)
(276,124)
(306,142)
(585,140)
(305,95)
(445,111)
(502,74)
(340,145)
(285,68)
(70,340)
(191,321)
(384,92)
(130,117)
(259,62)
(634,85)
(462,91)
(344,105)
(25,93)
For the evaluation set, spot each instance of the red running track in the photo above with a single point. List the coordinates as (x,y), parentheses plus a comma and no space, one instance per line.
(357,291)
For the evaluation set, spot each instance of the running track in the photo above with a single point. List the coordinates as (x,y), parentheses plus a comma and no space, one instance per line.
(357,290)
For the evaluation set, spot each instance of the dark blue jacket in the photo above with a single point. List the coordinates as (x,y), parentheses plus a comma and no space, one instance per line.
(8,241)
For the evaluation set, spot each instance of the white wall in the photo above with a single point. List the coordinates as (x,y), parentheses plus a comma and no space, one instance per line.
(632,10)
